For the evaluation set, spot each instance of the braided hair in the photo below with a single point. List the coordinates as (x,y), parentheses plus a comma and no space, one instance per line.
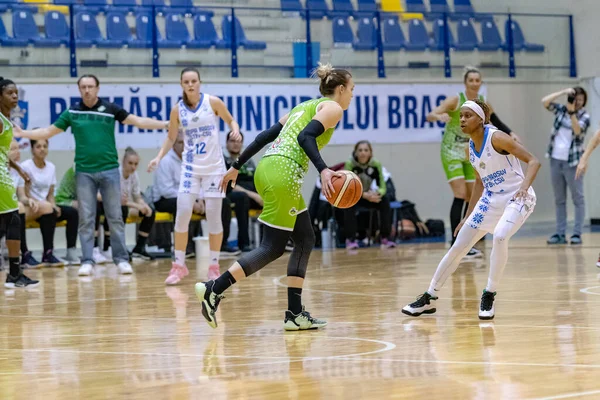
(4,83)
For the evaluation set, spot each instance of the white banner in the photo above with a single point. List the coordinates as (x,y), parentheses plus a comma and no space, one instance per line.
(381,113)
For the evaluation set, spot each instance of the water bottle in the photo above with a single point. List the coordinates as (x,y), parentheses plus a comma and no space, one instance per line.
(325,239)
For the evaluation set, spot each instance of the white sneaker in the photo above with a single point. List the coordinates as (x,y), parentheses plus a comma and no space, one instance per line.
(86,269)
(487,308)
(125,268)
(108,254)
(98,256)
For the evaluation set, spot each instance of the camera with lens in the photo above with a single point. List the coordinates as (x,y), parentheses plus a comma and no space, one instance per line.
(571,98)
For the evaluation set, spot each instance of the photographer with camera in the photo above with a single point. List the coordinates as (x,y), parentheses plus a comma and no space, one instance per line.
(571,122)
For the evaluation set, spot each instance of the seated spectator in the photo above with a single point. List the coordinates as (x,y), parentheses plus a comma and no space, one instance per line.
(133,205)
(27,259)
(164,193)
(66,196)
(243,197)
(368,169)
(43,180)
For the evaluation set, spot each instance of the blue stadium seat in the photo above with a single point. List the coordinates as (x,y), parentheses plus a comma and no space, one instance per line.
(143,31)
(366,8)
(318,9)
(519,42)
(64,2)
(7,4)
(292,8)
(342,8)
(438,35)
(123,5)
(205,34)
(418,36)
(415,6)
(57,29)
(176,32)
(393,37)
(438,7)
(464,9)
(24,28)
(490,36)
(466,37)
(8,41)
(87,32)
(160,5)
(93,6)
(342,33)
(117,29)
(240,35)
(366,35)
(182,6)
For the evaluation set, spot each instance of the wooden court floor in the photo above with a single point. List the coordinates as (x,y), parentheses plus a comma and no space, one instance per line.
(130,337)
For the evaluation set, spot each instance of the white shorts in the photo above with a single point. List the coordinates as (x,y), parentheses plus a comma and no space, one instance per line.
(203,186)
(491,207)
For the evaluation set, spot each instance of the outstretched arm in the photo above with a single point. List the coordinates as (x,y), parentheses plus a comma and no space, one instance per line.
(261,140)
(440,113)
(37,134)
(145,123)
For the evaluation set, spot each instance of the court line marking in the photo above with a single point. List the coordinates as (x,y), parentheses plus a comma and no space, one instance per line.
(277,282)
(588,290)
(277,359)
(568,395)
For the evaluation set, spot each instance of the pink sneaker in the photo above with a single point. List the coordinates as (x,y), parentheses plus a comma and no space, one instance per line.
(351,245)
(177,273)
(387,244)
(213,272)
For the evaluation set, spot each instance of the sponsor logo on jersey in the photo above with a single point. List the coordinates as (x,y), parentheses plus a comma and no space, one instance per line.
(101,108)
(482,165)
(293,212)
(452,167)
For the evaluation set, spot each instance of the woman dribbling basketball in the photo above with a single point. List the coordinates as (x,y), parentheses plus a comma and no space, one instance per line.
(297,138)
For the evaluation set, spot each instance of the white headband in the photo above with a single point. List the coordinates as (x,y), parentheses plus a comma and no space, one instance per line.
(475,107)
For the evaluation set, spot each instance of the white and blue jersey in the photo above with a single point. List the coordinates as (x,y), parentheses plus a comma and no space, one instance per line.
(203,163)
(502,176)
(202,154)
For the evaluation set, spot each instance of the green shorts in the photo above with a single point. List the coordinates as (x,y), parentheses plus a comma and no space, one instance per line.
(279,182)
(457,167)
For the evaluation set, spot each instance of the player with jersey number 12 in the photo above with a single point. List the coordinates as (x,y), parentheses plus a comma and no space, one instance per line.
(296,139)
(501,202)
(197,117)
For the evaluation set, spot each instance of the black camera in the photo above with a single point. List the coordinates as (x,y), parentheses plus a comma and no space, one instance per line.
(571,98)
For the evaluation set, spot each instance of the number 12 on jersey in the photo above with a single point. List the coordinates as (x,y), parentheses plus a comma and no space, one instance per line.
(200,148)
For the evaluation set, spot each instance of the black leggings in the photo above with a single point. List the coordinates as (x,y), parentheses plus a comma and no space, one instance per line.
(385,217)
(145,225)
(273,244)
(71,215)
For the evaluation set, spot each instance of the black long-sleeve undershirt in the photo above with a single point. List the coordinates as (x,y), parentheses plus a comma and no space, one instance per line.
(261,140)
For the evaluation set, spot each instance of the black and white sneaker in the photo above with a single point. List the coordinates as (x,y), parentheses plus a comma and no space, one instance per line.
(473,254)
(228,251)
(20,281)
(141,254)
(424,305)
(487,308)
(210,301)
(301,321)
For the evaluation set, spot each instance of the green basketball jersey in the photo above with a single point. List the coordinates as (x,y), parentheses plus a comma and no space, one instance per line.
(286,144)
(454,140)
(8,195)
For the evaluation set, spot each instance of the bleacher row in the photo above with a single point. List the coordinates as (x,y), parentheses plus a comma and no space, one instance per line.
(419,38)
(120,34)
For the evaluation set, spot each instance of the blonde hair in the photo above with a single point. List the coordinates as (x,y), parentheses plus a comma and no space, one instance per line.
(129,151)
(331,78)
(468,70)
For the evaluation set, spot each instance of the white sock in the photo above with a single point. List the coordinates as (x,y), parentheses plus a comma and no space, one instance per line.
(214,257)
(179,257)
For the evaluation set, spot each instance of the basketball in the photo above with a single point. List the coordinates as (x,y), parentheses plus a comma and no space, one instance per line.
(348,190)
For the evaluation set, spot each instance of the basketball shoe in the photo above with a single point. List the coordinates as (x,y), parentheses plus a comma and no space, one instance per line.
(424,305)
(301,321)
(487,308)
(209,300)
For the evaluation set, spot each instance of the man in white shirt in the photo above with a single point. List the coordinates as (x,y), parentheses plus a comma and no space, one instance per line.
(164,193)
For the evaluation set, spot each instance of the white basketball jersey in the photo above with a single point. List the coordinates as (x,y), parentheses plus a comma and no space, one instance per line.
(499,173)
(202,154)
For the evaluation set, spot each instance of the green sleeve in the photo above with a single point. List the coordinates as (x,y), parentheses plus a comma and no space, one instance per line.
(66,192)
(381,181)
(64,121)
(348,165)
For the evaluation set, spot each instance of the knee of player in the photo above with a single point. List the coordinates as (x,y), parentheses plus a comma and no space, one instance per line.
(500,237)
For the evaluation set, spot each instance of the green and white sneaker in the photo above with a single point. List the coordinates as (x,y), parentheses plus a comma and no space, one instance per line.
(210,301)
(425,304)
(301,321)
